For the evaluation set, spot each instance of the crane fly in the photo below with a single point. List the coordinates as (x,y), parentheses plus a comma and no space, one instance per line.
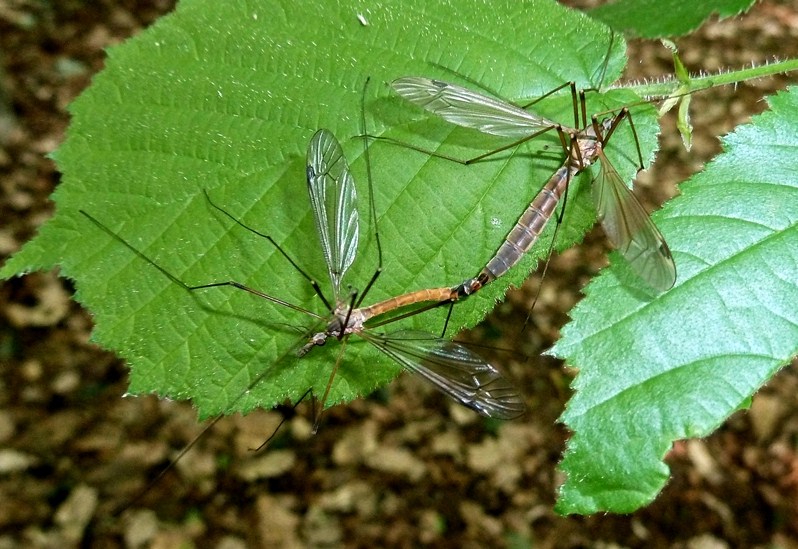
(625,221)
(450,367)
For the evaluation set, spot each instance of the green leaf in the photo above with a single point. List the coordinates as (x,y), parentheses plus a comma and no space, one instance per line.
(681,96)
(655,371)
(224,97)
(660,18)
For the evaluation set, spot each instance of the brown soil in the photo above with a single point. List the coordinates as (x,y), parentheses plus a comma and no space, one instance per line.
(402,470)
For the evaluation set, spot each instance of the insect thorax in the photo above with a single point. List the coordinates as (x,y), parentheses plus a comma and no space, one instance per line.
(586,150)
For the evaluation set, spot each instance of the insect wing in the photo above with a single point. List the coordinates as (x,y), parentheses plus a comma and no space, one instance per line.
(631,230)
(470,109)
(333,199)
(454,370)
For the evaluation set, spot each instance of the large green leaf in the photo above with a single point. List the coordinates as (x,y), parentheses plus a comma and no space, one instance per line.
(651,372)
(661,18)
(223,97)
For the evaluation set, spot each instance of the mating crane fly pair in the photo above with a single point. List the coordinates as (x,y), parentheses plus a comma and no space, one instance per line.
(450,367)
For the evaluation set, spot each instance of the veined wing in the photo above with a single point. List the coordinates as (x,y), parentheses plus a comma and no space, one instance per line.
(454,370)
(470,109)
(333,199)
(631,230)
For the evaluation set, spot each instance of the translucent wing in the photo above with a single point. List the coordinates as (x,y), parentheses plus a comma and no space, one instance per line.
(453,370)
(631,230)
(470,109)
(333,199)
